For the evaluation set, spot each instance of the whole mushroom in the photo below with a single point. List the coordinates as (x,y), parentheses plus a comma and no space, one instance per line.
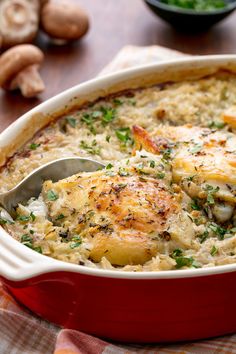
(19,69)
(64,20)
(19,21)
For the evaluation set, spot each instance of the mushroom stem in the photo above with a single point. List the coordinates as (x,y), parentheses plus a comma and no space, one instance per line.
(28,81)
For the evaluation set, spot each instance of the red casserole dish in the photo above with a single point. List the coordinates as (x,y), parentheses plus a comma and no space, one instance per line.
(140,307)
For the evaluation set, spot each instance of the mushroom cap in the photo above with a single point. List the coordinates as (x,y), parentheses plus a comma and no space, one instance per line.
(64,20)
(16,59)
(19,21)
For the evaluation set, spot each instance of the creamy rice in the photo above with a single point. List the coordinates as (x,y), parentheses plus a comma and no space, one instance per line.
(103,131)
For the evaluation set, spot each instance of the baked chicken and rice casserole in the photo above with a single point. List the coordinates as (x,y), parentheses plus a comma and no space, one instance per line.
(166,198)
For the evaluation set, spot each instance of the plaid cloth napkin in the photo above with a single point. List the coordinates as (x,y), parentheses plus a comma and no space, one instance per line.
(21,332)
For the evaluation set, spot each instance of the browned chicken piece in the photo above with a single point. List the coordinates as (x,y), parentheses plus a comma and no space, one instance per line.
(202,160)
(120,213)
(143,140)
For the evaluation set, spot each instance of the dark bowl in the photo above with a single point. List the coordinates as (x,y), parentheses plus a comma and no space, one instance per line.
(190,20)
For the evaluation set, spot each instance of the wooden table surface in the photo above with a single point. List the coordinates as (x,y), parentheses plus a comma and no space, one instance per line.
(113,25)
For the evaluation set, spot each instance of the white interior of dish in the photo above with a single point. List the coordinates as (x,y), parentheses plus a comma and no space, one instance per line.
(19,262)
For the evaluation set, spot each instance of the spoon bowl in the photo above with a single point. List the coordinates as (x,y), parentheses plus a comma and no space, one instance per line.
(55,170)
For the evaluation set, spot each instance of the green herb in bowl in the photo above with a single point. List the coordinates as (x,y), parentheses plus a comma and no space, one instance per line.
(198,5)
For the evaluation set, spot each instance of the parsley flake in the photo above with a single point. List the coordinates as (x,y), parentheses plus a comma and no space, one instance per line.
(197,148)
(161,175)
(108,115)
(123,134)
(216,125)
(211,193)
(109,166)
(60,217)
(195,204)
(152,164)
(71,121)
(76,241)
(214,250)
(52,195)
(93,149)
(34,146)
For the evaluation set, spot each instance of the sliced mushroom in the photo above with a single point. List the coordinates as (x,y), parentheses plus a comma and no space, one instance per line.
(19,69)
(64,20)
(19,21)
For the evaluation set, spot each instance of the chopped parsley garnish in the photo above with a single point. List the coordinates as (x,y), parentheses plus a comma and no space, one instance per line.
(186,262)
(152,164)
(210,193)
(182,261)
(4,221)
(195,204)
(109,166)
(76,242)
(34,146)
(123,134)
(33,217)
(177,253)
(166,154)
(52,195)
(196,148)
(160,175)
(88,119)
(214,250)
(190,178)
(203,237)
(108,137)
(25,218)
(216,125)
(60,217)
(38,249)
(218,230)
(71,121)
(108,115)
(117,102)
(93,149)
(27,240)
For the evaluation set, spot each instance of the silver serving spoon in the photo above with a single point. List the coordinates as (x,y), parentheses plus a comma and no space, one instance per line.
(55,170)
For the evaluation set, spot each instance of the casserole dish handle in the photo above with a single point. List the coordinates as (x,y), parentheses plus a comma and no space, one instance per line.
(19,262)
